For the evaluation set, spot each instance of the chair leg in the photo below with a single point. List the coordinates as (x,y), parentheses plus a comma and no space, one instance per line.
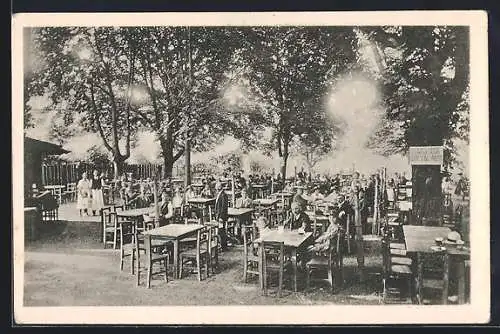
(121,259)
(138,272)
(132,261)
(207,265)
(264,280)
(181,265)
(166,269)
(150,269)
(115,237)
(330,279)
(245,268)
(198,266)
(280,283)
(308,277)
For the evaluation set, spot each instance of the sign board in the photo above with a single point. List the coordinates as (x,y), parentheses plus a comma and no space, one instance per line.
(426,155)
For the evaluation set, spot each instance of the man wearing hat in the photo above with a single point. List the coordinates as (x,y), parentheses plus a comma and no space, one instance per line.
(221,206)
(298,219)
(299,199)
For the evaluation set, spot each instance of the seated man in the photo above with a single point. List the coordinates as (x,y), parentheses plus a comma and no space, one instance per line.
(244,201)
(298,219)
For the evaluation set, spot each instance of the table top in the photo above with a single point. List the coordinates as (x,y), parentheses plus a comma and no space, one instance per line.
(266,201)
(290,238)
(54,186)
(286,194)
(201,200)
(239,211)
(174,230)
(312,215)
(258,186)
(135,212)
(422,238)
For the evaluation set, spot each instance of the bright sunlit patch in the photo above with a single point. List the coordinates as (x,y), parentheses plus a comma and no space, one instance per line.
(233,95)
(84,53)
(138,94)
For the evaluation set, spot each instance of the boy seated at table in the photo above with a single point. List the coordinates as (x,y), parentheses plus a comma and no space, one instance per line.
(298,220)
(244,201)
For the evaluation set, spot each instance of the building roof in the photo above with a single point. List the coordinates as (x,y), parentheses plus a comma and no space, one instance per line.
(39,146)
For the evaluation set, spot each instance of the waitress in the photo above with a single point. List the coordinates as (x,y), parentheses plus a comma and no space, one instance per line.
(97,196)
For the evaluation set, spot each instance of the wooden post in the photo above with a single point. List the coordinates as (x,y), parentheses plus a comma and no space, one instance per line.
(375,208)
(233,199)
(360,256)
(272,185)
(155,199)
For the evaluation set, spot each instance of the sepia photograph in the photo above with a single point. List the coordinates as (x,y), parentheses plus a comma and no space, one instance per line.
(246,168)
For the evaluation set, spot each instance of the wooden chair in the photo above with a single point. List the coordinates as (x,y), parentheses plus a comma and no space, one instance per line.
(214,245)
(250,260)
(111,229)
(272,261)
(394,271)
(144,243)
(435,275)
(128,236)
(332,263)
(199,255)
(70,192)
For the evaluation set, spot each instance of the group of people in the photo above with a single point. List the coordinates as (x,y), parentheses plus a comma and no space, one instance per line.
(90,198)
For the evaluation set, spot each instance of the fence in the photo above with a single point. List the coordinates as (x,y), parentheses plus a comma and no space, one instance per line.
(61,172)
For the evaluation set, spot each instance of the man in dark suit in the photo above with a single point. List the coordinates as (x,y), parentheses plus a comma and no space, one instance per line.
(221,206)
(298,219)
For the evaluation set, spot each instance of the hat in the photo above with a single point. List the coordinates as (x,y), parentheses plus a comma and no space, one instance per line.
(453,237)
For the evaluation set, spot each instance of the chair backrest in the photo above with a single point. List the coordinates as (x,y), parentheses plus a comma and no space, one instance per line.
(127,233)
(110,218)
(269,248)
(213,238)
(145,241)
(249,234)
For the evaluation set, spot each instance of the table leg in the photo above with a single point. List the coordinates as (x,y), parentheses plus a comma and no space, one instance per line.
(461,282)
(294,264)
(419,278)
(446,278)
(176,259)
(261,278)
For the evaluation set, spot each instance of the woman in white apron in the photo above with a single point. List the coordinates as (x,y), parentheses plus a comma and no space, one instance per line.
(83,194)
(97,196)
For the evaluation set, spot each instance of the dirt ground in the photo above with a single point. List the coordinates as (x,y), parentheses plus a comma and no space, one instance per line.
(68,266)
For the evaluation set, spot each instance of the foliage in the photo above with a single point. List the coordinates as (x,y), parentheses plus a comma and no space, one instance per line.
(426,78)
(289,68)
(90,71)
(228,162)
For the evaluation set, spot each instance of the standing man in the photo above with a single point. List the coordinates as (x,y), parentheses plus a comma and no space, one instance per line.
(97,195)
(221,206)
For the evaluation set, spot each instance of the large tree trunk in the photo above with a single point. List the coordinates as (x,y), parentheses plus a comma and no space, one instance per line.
(168,161)
(117,168)
(284,160)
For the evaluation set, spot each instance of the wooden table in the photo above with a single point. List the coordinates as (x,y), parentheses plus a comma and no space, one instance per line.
(203,203)
(260,188)
(266,202)
(56,191)
(240,214)
(287,196)
(322,220)
(175,232)
(419,240)
(294,241)
(135,213)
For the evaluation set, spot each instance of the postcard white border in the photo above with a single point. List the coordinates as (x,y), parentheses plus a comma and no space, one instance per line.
(476,312)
